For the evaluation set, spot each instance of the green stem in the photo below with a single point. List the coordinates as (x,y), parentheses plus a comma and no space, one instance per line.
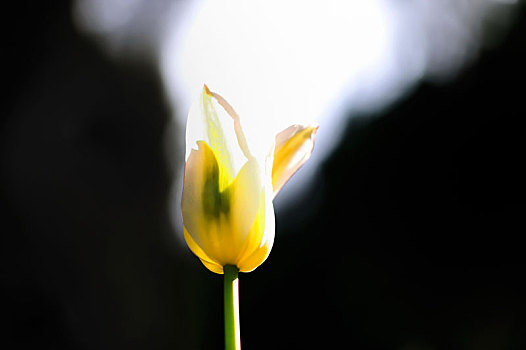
(232,338)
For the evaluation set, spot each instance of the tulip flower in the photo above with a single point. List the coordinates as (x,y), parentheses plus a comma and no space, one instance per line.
(228,216)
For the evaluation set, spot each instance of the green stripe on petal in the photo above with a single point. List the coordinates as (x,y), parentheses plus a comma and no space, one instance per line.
(219,221)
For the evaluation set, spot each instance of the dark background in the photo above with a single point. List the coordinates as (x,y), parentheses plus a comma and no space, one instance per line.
(409,238)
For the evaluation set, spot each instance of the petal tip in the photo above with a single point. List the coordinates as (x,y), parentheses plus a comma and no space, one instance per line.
(206,90)
(314,128)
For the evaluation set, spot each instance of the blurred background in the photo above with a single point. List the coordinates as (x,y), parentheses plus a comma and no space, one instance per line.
(403,232)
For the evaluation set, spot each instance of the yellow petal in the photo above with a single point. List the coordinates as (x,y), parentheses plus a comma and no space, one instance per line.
(210,263)
(293,148)
(209,121)
(218,221)
(261,237)
(240,135)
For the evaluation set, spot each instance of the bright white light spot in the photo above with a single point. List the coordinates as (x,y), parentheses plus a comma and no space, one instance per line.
(277,62)
(290,61)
